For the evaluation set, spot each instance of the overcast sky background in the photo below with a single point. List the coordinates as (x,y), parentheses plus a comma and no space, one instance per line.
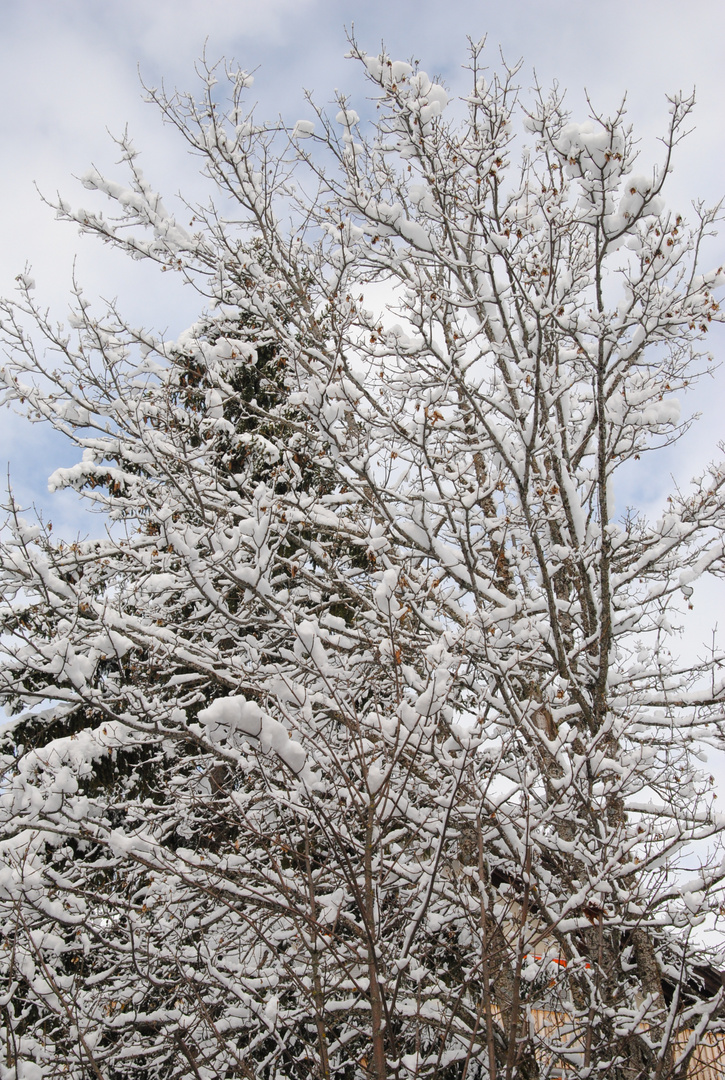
(69,73)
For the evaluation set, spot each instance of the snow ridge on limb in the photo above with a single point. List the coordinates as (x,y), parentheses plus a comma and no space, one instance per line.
(357,745)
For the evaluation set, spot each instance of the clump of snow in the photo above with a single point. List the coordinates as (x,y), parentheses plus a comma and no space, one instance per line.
(229,718)
(303,129)
(231,714)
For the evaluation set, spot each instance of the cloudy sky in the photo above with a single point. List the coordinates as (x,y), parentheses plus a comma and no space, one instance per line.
(69,75)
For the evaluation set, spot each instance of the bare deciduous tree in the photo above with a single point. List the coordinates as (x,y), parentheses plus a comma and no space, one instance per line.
(357,745)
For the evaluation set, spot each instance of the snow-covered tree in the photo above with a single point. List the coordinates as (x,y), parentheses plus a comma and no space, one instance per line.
(355,743)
